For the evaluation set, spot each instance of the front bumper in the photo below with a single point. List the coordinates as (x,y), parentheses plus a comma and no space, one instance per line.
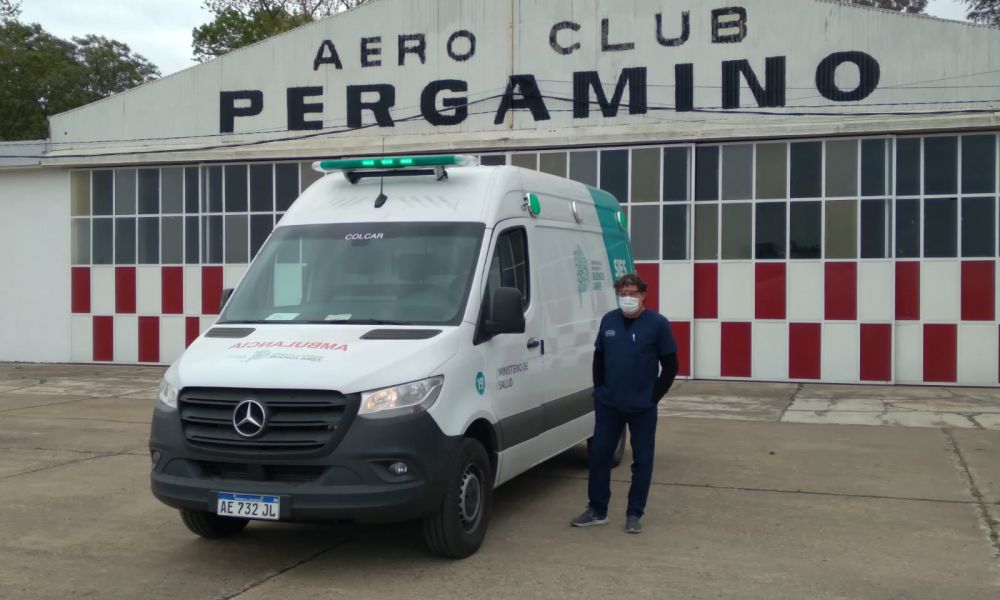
(350,482)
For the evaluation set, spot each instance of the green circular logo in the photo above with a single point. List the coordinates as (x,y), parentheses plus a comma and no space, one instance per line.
(480,383)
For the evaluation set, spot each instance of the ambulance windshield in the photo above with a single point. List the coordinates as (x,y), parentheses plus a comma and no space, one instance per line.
(370,273)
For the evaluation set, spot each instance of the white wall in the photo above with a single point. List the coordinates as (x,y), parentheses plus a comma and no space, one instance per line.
(34,266)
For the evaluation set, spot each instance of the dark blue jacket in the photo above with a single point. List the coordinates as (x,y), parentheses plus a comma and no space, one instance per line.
(631,359)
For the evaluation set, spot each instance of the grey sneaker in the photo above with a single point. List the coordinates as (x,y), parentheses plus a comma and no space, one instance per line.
(632,524)
(588,519)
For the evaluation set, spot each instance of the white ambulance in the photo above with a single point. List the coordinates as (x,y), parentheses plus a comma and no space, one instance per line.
(415,332)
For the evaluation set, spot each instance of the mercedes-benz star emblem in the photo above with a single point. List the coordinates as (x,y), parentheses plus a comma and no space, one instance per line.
(249,418)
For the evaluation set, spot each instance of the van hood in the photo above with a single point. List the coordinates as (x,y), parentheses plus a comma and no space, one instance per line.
(320,357)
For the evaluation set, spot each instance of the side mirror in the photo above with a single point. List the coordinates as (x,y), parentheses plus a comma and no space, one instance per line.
(507,313)
(226,293)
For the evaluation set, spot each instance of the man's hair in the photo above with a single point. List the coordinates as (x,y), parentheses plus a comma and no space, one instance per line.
(630,279)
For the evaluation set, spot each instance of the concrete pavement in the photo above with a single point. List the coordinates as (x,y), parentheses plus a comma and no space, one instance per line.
(760,491)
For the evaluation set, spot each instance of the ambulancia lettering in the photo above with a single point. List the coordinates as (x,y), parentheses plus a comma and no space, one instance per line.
(333,346)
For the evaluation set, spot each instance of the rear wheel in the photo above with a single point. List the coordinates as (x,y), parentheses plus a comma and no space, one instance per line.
(616,458)
(458,527)
(212,526)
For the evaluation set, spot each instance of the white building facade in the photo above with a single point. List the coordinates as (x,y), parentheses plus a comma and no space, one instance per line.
(812,187)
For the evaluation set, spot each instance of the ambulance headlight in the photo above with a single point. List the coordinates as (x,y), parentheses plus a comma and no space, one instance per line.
(169,388)
(404,399)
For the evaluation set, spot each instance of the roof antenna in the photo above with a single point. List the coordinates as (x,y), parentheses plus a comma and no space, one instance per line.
(380,201)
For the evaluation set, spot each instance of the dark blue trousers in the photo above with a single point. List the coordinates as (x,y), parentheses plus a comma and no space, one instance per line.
(608,426)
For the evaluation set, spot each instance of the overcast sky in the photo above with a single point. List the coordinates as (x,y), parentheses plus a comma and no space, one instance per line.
(160,30)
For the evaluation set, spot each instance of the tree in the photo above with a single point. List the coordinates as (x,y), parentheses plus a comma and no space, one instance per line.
(42,75)
(9,10)
(908,6)
(239,23)
(983,11)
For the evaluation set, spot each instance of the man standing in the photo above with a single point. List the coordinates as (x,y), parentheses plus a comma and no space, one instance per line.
(635,362)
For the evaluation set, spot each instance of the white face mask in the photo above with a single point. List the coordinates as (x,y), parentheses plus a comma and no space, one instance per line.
(628,304)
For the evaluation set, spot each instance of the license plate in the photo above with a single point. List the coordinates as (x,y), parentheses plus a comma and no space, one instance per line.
(248,506)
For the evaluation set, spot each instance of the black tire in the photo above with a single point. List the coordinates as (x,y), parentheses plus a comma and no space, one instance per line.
(458,527)
(212,526)
(616,458)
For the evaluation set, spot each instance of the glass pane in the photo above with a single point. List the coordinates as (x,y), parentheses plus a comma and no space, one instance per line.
(493,160)
(80,236)
(645,225)
(80,193)
(212,185)
(706,232)
(525,160)
(309,175)
(876,228)
(675,229)
(260,228)
(583,167)
(172,240)
(805,226)
(737,229)
(772,167)
(907,229)
(646,175)
(125,192)
(614,173)
(104,185)
(149,240)
(737,173)
(236,188)
(908,167)
(172,190)
(978,164)
(125,241)
(104,237)
(286,185)
(191,200)
(977,227)
(842,229)
(192,236)
(675,174)
(236,239)
(940,165)
(149,191)
(211,240)
(941,228)
(706,173)
(841,168)
(873,168)
(262,188)
(554,163)
(771,230)
(806,169)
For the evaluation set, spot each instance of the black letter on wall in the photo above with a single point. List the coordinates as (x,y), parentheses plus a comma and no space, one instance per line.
(472,45)
(420,48)
(584,81)
(367,52)
(684,87)
(428,102)
(685,30)
(559,48)
(868,68)
(773,95)
(380,108)
(721,23)
(531,99)
(609,47)
(228,110)
(298,108)
(327,59)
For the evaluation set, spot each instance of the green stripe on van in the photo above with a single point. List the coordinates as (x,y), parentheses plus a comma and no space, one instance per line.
(616,240)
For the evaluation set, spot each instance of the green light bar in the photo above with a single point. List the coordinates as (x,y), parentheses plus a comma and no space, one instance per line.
(395,162)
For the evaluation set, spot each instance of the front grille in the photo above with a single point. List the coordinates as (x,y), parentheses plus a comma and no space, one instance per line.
(255,472)
(298,421)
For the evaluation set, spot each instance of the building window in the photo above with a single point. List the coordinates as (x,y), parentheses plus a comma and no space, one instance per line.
(104,192)
(806,169)
(706,173)
(553,163)
(172,240)
(645,225)
(940,165)
(125,192)
(583,167)
(676,175)
(805,227)
(842,229)
(149,240)
(737,231)
(81,241)
(236,239)
(125,241)
(875,161)
(772,170)
(528,160)
(262,188)
(908,167)
(979,154)
(737,172)
(493,160)
(770,244)
(149,191)
(645,175)
(907,229)
(172,191)
(841,168)
(286,185)
(941,228)
(876,229)
(675,232)
(103,238)
(614,173)
(978,234)
(706,231)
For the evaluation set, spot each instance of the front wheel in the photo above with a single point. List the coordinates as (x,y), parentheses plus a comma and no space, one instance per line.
(616,458)
(458,527)
(212,526)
